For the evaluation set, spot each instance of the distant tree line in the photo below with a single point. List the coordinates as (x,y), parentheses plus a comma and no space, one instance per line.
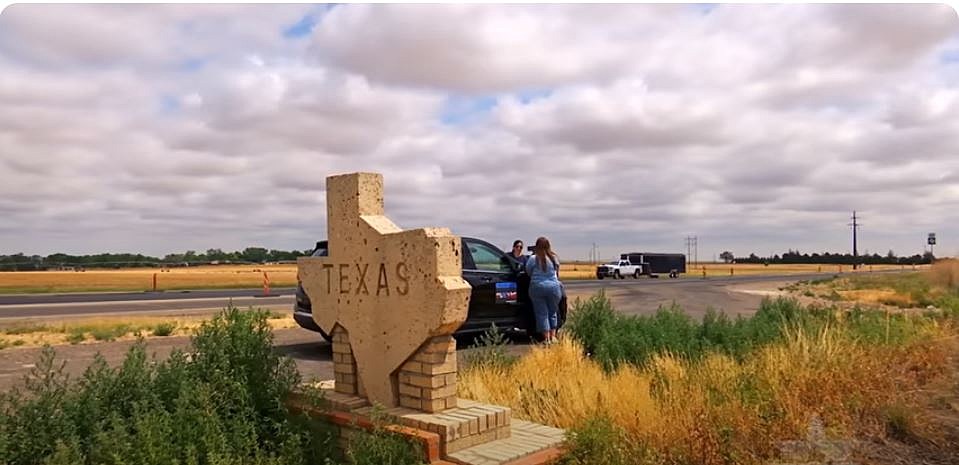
(21,262)
(794,256)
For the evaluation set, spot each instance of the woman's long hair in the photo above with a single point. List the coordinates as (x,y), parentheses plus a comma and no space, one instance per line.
(543,250)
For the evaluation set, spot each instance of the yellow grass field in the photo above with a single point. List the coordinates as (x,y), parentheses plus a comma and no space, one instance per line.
(91,330)
(141,279)
(248,276)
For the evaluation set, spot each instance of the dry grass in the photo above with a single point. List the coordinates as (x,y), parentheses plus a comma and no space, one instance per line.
(35,333)
(944,273)
(717,410)
(141,279)
(906,291)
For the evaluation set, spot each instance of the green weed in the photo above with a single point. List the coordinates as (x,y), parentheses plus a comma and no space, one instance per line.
(110,333)
(25,329)
(491,350)
(164,329)
(597,441)
(614,339)
(76,337)
(382,446)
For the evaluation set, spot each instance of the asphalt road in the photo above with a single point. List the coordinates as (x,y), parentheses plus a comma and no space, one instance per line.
(626,292)
(311,354)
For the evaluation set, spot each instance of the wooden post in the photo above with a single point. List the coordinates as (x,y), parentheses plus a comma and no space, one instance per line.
(266,285)
(730,271)
(154,282)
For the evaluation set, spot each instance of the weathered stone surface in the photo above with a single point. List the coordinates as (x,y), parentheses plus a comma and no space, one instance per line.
(390,289)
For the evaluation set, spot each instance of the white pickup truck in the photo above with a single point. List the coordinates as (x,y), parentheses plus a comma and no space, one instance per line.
(618,269)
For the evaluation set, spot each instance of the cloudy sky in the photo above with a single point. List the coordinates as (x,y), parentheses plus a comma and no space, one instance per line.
(159,129)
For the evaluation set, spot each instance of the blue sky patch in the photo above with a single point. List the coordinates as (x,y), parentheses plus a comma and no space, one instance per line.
(168,104)
(305,25)
(704,8)
(464,109)
(528,96)
(950,56)
(192,64)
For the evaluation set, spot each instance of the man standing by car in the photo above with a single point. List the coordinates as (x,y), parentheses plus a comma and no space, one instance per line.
(517,253)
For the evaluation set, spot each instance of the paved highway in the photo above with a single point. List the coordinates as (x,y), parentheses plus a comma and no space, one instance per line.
(735,295)
(624,292)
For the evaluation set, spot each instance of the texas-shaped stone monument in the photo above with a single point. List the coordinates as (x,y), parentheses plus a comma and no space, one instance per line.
(390,298)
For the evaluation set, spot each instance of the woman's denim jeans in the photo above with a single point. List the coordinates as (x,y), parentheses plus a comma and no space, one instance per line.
(546,297)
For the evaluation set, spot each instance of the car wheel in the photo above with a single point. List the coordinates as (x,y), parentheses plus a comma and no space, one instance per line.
(636,274)
(599,276)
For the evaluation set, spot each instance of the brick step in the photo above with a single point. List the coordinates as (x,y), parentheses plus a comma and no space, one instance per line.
(528,444)
(469,424)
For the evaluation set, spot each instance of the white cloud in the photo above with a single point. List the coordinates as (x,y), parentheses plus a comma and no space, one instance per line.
(756,127)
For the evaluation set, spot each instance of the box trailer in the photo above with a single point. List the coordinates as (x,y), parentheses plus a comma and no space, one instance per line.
(652,264)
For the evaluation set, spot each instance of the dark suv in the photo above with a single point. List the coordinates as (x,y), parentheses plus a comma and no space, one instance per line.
(500,293)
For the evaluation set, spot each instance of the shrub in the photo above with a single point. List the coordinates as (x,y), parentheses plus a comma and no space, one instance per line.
(597,441)
(382,446)
(900,423)
(222,404)
(164,329)
(76,337)
(109,333)
(613,339)
(717,409)
(491,350)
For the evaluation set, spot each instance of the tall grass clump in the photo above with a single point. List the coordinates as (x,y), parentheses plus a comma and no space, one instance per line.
(945,274)
(219,402)
(614,339)
(164,329)
(668,389)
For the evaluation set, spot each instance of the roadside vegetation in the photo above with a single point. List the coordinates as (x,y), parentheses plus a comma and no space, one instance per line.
(35,333)
(933,288)
(221,401)
(668,389)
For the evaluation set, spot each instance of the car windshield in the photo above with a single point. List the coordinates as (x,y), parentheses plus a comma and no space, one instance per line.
(612,263)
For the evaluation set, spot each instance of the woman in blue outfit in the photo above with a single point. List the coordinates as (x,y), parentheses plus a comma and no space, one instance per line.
(544,288)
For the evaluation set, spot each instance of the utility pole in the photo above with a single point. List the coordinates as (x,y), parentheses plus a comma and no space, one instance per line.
(692,249)
(855,251)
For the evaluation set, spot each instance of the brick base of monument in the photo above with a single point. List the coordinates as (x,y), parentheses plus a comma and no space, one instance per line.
(427,381)
(472,433)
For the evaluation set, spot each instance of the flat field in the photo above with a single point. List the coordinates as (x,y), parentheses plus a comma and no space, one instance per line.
(248,276)
(141,279)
